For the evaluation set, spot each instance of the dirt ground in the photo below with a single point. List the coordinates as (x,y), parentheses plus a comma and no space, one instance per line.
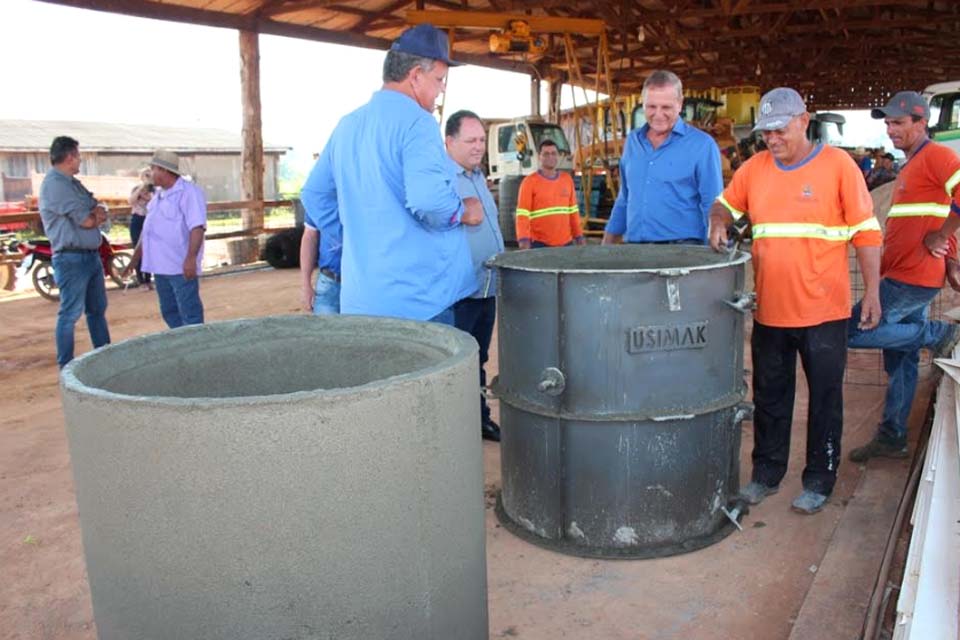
(750,585)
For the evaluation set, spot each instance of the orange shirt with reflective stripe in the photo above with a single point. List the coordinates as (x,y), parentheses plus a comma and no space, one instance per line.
(802,280)
(547,210)
(921,202)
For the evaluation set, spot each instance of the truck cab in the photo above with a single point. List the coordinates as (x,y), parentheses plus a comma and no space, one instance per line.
(944,99)
(512,147)
(826,128)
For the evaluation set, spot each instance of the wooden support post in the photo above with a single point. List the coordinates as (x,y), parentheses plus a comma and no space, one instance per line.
(534,96)
(251,156)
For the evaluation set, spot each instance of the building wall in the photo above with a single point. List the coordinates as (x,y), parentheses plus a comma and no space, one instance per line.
(218,174)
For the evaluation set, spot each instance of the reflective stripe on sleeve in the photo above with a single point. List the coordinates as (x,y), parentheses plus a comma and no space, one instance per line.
(736,213)
(953,182)
(917,209)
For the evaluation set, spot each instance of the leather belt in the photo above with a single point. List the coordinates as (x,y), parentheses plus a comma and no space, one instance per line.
(72,250)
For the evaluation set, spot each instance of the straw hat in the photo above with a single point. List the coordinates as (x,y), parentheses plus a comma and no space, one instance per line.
(166,160)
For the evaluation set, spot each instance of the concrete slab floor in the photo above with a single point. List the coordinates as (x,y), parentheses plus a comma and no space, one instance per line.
(750,585)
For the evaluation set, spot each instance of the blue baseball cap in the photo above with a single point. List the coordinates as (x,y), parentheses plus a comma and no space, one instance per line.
(426,41)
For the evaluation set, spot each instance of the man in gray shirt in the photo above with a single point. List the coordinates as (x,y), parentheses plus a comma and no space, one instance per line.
(466,141)
(71,218)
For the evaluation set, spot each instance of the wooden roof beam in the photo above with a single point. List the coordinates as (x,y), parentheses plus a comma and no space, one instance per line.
(487,20)
(742,9)
(294,6)
(386,12)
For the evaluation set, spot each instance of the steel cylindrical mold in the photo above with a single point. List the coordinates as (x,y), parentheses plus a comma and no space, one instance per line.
(290,477)
(617,488)
(640,329)
(621,378)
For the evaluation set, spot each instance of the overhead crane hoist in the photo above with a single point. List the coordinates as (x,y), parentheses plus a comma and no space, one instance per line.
(530,37)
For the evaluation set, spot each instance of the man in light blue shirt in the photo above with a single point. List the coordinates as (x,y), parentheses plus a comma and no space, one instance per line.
(385,176)
(466,141)
(670,173)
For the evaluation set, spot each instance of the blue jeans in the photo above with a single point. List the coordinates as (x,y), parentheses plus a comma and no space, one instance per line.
(326,299)
(80,278)
(179,300)
(903,331)
(445,317)
(476,316)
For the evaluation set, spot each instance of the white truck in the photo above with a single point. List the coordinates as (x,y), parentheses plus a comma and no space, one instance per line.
(944,99)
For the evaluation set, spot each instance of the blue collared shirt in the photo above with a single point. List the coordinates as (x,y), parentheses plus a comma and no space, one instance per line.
(485,239)
(385,175)
(666,193)
(64,204)
(331,234)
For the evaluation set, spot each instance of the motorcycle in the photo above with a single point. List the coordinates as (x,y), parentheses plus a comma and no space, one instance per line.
(113,257)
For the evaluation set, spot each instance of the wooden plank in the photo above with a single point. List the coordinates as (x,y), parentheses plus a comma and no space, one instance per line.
(840,594)
(248,22)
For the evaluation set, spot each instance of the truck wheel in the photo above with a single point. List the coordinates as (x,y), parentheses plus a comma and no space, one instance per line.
(508,192)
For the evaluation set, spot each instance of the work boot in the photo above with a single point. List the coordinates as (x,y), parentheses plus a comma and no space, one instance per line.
(878,448)
(809,502)
(754,493)
(490,430)
(944,348)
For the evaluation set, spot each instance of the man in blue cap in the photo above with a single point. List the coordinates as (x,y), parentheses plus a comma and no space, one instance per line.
(385,180)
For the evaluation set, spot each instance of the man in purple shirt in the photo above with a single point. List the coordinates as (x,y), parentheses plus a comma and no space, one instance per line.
(171,246)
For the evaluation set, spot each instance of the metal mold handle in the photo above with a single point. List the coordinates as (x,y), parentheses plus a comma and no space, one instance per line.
(744,302)
(744,412)
(673,286)
(552,382)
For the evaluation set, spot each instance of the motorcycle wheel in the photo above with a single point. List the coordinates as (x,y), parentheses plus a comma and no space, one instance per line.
(119,262)
(44,281)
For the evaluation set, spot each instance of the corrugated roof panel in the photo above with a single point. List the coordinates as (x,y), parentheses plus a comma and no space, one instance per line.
(33,135)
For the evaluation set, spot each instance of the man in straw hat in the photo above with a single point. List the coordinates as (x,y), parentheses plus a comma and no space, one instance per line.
(171,246)
(385,177)
(806,202)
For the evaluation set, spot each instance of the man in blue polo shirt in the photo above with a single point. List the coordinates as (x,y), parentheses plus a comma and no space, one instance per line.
(385,177)
(669,173)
